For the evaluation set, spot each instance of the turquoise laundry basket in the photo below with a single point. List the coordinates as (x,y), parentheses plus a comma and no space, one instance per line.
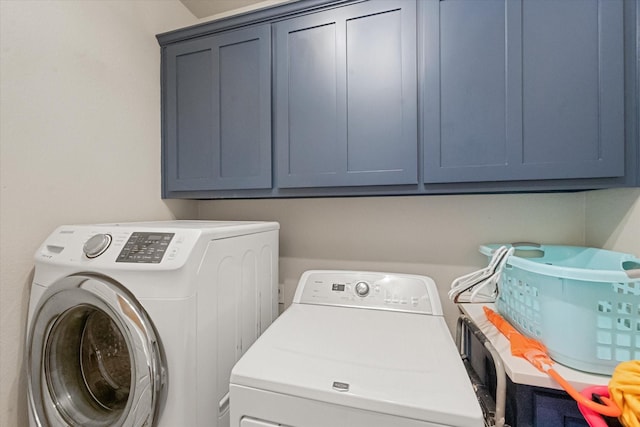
(582,303)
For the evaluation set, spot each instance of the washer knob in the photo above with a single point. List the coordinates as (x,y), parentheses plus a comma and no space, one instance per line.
(96,245)
(362,289)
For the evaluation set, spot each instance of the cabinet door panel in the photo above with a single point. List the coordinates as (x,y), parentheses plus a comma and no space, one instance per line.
(523,90)
(189,112)
(345,96)
(240,95)
(312,96)
(570,71)
(573,112)
(470,129)
(375,94)
(218,112)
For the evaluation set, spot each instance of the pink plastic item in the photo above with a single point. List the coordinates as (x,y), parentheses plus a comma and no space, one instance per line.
(593,418)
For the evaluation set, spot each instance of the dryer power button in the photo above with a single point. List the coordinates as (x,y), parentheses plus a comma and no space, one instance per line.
(96,245)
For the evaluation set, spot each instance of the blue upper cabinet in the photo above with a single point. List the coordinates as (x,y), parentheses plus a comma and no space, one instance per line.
(217,112)
(346,96)
(402,97)
(522,90)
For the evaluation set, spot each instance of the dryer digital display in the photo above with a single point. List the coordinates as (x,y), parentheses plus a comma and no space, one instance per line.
(145,247)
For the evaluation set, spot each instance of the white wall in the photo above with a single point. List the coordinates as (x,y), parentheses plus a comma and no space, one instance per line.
(79,139)
(433,235)
(613,220)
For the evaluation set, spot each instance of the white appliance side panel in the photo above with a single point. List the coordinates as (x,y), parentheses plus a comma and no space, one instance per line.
(268,280)
(249,309)
(223,419)
(228,282)
(175,322)
(251,407)
(233,277)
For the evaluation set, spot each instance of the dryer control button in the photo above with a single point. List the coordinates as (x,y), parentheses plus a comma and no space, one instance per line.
(96,245)
(362,289)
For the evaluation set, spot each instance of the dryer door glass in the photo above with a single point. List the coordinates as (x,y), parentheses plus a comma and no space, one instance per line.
(94,357)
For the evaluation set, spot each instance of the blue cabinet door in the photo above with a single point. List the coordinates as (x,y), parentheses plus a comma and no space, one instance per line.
(522,89)
(217,112)
(345,88)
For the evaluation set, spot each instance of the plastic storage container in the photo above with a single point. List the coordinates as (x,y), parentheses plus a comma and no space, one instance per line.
(582,303)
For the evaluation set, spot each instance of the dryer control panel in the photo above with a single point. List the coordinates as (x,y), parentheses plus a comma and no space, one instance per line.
(372,290)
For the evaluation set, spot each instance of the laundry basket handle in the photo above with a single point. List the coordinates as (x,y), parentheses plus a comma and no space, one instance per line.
(518,245)
(528,249)
(632,268)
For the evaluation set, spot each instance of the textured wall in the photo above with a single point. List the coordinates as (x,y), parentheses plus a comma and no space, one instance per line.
(79,139)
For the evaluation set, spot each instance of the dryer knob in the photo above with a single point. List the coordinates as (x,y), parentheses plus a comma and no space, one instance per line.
(362,289)
(96,245)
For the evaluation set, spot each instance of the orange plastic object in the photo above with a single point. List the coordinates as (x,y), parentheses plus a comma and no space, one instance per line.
(536,353)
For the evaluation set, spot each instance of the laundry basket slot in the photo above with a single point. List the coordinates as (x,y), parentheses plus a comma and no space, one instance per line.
(582,303)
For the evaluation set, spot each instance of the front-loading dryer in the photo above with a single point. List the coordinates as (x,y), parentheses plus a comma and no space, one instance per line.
(139,324)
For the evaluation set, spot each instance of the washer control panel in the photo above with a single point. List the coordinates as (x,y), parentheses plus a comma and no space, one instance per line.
(372,290)
(143,247)
(137,247)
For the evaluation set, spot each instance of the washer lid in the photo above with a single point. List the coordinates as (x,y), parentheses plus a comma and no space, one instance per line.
(391,362)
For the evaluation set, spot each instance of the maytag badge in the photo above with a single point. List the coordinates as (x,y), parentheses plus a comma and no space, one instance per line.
(338,386)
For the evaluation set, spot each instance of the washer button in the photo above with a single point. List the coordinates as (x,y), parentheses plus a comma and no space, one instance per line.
(362,289)
(96,245)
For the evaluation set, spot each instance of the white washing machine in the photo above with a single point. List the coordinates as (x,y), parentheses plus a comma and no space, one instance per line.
(139,324)
(355,349)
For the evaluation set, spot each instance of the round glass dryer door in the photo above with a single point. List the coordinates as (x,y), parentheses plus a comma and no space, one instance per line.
(94,357)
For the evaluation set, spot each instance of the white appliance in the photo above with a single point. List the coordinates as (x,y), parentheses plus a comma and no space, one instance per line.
(355,349)
(139,324)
